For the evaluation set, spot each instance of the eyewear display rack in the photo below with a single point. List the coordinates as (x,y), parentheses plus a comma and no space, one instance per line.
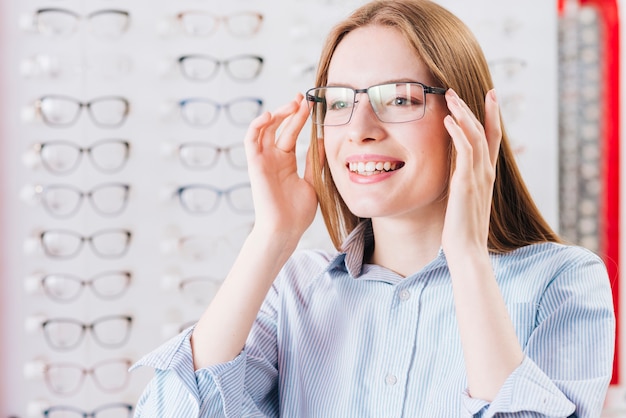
(123,194)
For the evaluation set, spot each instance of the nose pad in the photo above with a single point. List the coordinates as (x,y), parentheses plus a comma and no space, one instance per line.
(369,107)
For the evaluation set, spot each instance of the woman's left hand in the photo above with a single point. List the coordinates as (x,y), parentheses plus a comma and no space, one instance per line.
(466,225)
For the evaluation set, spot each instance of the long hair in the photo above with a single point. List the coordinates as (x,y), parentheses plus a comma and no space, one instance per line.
(455,60)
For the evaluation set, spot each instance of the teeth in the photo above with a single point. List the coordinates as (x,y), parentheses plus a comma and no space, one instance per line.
(371,167)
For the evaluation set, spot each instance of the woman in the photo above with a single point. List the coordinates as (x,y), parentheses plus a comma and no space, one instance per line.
(449,294)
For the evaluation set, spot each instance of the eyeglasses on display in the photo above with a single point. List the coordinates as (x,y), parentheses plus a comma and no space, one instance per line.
(65,287)
(199,23)
(57,66)
(106,243)
(201,247)
(64,200)
(201,199)
(60,22)
(60,111)
(200,67)
(200,289)
(112,410)
(204,156)
(68,378)
(392,103)
(63,157)
(203,112)
(111,331)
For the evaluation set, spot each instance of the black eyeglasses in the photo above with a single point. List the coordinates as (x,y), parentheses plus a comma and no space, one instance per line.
(60,111)
(203,112)
(107,243)
(200,67)
(62,157)
(109,331)
(112,410)
(392,102)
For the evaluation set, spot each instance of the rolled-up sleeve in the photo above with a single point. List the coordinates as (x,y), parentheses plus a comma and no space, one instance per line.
(569,356)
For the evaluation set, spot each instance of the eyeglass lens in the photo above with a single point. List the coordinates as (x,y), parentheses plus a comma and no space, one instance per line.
(67,333)
(111,243)
(62,157)
(203,156)
(244,24)
(202,247)
(68,378)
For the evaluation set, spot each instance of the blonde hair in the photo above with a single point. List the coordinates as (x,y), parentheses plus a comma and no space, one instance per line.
(455,59)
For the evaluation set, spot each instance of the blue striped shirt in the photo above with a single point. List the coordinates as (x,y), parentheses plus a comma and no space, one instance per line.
(339,338)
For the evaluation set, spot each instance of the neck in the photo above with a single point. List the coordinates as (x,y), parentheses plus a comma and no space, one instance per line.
(405,246)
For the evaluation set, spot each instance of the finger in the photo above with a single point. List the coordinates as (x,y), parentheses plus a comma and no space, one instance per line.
(464,153)
(268,139)
(493,128)
(255,131)
(465,120)
(288,137)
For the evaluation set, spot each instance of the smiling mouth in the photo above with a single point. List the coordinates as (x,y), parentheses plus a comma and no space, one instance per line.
(368,168)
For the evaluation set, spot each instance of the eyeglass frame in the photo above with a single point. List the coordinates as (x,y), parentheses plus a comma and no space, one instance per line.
(226,151)
(84,238)
(220,63)
(41,190)
(87,283)
(226,193)
(81,105)
(78,17)
(40,146)
(312,100)
(84,372)
(218,107)
(83,414)
(84,327)
(222,18)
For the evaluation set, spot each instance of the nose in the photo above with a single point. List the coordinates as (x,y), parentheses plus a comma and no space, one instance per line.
(364,124)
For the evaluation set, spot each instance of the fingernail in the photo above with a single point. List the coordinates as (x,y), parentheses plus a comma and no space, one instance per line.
(492,94)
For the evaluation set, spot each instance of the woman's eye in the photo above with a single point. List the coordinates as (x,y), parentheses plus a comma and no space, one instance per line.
(338,105)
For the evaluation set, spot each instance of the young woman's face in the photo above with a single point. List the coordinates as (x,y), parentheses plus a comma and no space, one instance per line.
(415,153)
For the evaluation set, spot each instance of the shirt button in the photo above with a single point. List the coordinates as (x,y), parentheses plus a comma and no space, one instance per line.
(391,380)
(404,295)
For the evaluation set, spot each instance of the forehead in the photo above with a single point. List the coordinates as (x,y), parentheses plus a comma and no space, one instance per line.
(375,54)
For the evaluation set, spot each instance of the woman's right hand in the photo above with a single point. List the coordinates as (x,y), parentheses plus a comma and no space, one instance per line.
(285,204)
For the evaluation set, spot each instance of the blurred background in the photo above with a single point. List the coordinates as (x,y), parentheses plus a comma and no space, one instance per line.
(124,192)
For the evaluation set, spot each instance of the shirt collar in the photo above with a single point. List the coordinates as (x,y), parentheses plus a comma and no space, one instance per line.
(354,248)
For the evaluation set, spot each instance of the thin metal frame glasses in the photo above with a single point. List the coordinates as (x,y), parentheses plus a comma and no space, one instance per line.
(203,156)
(391,102)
